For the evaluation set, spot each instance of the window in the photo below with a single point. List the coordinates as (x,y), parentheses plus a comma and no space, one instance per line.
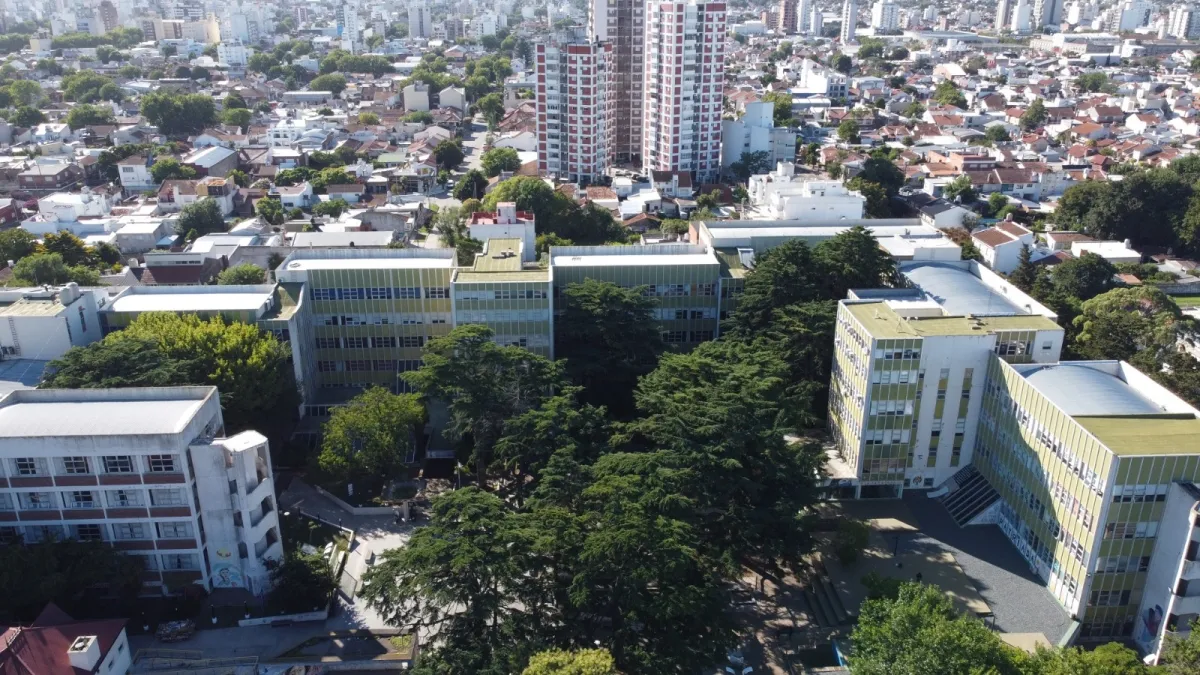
(162,463)
(328,343)
(358,365)
(381,342)
(675,336)
(166,497)
(174,530)
(125,498)
(355,342)
(180,561)
(702,335)
(439,293)
(6,502)
(408,293)
(326,366)
(27,466)
(88,532)
(37,500)
(412,341)
(118,464)
(384,365)
(75,465)
(81,499)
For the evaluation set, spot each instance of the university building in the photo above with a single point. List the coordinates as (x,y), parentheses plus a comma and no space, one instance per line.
(147,470)
(954,385)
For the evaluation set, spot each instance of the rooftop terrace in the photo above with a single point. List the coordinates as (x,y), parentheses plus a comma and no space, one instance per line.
(882,322)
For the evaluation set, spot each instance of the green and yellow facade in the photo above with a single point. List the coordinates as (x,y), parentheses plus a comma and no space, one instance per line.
(1082,495)
(905,389)
(515,300)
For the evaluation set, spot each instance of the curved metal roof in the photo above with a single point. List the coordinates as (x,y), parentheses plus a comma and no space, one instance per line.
(958,291)
(1083,390)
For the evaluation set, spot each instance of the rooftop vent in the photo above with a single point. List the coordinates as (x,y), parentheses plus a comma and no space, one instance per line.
(84,653)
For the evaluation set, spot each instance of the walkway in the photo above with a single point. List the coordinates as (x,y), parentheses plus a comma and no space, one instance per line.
(373,536)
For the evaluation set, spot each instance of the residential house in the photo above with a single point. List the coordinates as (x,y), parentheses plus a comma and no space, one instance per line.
(134,173)
(295,196)
(47,177)
(215,160)
(1001,245)
(56,644)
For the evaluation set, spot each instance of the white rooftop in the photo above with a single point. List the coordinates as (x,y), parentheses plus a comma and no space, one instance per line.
(96,418)
(216,301)
(369,263)
(633,260)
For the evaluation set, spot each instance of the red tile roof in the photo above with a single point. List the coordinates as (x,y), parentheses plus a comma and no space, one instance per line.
(41,648)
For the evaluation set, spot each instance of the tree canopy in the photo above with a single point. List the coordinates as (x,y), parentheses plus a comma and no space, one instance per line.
(177,114)
(370,437)
(250,368)
(245,274)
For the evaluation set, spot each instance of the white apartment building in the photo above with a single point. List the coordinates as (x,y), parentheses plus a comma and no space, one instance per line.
(1003,11)
(147,470)
(43,323)
(849,21)
(574,126)
(233,53)
(778,195)
(756,132)
(684,79)
(885,15)
(1170,603)
(1022,17)
(1183,22)
(1130,15)
(420,20)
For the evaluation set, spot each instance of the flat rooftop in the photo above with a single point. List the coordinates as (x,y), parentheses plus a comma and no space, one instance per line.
(303,264)
(882,322)
(119,412)
(635,260)
(502,255)
(32,307)
(216,301)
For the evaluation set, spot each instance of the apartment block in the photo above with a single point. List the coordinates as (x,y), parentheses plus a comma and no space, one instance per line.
(621,23)
(506,223)
(684,279)
(147,471)
(1082,457)
(787,17)
(512,298)
(684,80)
(909,370)
(575,108)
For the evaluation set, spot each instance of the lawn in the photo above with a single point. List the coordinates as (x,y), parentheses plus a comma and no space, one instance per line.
(1186,301)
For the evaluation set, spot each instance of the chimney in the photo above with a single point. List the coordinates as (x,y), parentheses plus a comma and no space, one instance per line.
(84,653)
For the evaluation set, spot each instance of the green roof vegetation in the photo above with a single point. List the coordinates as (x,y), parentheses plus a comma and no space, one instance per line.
(1145,434)
(882,322)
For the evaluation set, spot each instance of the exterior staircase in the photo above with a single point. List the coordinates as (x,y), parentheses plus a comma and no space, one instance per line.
(971,497)
(824,606)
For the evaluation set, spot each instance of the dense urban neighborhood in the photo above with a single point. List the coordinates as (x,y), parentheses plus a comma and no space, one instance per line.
(600,338)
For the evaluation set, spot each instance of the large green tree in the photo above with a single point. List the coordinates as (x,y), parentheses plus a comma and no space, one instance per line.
(370,437)
(249,367)
(16,243)
(134,362)
(609,337)
(462,575)
(245,274)
(62,571)
(201,217)
(498,160)
(483,385)
(921,633)
(562,662)
(177,114)
(1141,325)
(717,418)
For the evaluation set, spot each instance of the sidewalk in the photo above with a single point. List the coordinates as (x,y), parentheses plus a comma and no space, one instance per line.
(373,536)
